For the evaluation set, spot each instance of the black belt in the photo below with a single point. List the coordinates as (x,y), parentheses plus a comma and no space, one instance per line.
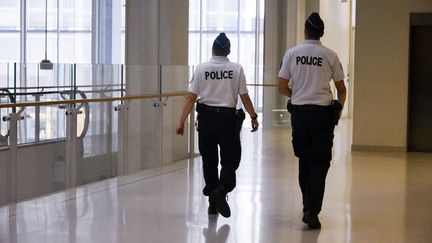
(311,107)
(203,107)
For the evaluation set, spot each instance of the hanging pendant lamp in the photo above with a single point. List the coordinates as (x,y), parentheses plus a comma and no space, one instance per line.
(46,64)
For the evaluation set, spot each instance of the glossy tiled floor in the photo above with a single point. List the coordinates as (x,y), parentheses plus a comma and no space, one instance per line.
(370,197)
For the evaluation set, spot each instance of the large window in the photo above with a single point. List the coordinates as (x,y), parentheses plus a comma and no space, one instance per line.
(10,30)
(76,32)
(242,21)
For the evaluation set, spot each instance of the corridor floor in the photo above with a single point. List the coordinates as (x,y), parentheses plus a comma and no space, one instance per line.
(370,197)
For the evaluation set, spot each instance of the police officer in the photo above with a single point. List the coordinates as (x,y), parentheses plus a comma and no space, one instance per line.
(218,83)
(310,67)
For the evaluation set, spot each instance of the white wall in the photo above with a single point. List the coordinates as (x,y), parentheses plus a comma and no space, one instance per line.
(381,73)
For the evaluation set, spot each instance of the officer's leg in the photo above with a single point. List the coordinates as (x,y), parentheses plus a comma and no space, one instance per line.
(322,142)
(207,144)
(230,152)
(301,147)
(318,175)
(304,181)
(230,161)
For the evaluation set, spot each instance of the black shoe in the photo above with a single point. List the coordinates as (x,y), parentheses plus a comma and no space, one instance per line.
(313,222)
(218,197)
(306,217)
(212,210)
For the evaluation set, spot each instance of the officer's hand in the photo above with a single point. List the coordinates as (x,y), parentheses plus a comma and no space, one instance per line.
(255,125)
(180,129)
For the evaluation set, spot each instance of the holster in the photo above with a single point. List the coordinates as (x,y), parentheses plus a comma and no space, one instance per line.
(289,106)
(336,108)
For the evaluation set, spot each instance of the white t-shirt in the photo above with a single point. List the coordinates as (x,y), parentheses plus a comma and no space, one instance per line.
(310,67)
(218,82)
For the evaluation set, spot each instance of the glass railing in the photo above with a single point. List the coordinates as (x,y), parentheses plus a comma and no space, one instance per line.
(50,140)
(79,123)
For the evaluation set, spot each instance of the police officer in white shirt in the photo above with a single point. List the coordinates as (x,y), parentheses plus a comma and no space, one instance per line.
(218,83)
(310,67)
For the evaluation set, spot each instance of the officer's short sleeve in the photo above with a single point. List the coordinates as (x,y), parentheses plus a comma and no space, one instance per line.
(338,73)
(284,69)
(242,82)
(194,84)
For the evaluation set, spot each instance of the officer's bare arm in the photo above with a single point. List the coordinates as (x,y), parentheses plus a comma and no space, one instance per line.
(283,87)
(341,91)
(251,110)
(248,104)
(187,107)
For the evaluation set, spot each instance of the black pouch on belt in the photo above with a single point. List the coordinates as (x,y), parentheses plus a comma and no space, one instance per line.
(239,117)
(289,106)
(336,108)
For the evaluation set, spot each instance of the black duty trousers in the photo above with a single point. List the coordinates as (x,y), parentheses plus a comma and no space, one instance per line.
(312,139)
(218,129)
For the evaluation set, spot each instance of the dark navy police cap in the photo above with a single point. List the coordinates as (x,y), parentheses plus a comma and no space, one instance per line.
(222,42)
(314,22)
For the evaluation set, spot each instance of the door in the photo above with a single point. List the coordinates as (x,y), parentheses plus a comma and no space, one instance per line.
(420,89)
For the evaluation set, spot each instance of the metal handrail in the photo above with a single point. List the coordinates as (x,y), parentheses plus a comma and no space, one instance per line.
(93,100)
(66,86)
(96,100)
(60,92)
(104,85)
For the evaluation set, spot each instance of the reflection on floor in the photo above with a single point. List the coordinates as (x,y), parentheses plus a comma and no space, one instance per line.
(370,197)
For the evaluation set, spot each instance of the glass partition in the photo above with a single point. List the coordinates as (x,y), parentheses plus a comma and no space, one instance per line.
(43,123)
(98,120)
(53,147)
(6,97)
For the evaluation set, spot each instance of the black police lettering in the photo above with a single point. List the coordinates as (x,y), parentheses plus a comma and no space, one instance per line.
(308,60)
(219,74)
